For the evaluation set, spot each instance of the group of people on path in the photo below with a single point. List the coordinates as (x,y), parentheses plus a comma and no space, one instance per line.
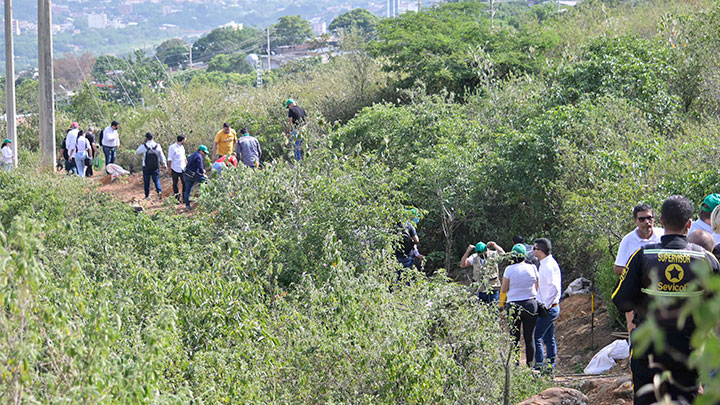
(657,267)
(529,289)
(80,152)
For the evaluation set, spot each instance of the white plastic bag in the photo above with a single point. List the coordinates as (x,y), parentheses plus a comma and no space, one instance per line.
(115,170)
(604,360)
(578,286)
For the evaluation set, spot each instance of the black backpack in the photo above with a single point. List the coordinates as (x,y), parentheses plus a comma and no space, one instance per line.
(152,159)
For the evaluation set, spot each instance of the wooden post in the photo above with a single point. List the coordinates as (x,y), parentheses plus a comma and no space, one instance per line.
(269,65)
(10,81)
(47,97)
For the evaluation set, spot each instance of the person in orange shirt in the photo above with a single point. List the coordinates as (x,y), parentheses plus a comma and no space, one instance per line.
(225,140)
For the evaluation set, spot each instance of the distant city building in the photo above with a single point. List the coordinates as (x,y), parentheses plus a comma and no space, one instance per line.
(16,27)
(97,21)
(233,24)
(125,9)
(319,27)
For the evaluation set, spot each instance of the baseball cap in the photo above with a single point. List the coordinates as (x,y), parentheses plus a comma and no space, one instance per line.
(710,202)
(480,247)
(519,248)
(288,102)
(7,140)
(203,148)
(75,125)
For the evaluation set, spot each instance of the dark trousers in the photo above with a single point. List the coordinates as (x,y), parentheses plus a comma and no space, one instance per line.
(188,185)
(683,382)
(155,176)
(89,167)
(177,178)
(524,314)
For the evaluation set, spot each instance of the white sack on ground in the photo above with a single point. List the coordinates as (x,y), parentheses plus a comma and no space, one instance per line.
(604,360)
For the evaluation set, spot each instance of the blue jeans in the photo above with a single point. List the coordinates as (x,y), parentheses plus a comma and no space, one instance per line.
(297,145)
(188,185)
(545,333)
(492,296)
(80,163)
(155,175)
(109,152)
(6,166)
(218,167)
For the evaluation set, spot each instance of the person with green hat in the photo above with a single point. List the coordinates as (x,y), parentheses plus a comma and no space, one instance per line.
(296,119)
(703,221)
(7,155)
(519,290)
(485,269)
(194,172)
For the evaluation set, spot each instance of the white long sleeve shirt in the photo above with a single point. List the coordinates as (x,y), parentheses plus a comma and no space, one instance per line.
(549,282)
(70,141)
(176,157)
(110,137)
(144,147)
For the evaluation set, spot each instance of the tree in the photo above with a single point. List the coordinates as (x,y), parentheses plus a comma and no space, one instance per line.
(357,19)
(173,52)
(128,77)
(229,64)
(70,71)
(292,30)
(227,40)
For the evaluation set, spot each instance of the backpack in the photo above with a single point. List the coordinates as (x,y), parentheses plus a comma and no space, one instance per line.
(407,242)
(152,159)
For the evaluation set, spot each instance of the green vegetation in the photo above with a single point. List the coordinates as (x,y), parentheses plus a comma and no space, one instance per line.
(283,287)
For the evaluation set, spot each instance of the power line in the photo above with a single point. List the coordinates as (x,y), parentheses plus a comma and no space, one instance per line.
(92,93)
(120,81)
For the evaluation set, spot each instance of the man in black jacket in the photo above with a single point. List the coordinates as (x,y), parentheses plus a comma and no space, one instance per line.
(655,284)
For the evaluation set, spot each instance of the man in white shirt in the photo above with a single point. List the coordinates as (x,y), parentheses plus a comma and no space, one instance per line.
(549,291)
(110,141)
(703,221)
(644,233)
(70,143)
(176,164)
(153,157)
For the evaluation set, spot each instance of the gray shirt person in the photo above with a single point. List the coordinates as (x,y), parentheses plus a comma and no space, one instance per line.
(248,149)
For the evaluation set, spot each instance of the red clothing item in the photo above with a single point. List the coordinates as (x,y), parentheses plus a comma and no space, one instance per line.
(232,160)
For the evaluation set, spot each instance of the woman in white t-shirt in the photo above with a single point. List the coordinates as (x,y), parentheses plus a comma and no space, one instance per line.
(7,155)
(82,146)
(519,289)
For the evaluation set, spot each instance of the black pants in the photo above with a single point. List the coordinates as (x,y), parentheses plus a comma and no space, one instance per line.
(89,167)
(177,177)
(683,382)
(524,314)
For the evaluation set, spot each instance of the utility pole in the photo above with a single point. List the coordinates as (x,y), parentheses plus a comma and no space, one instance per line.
(269,66)
(492,13)
(10,81)
(191,45)
(387,9)
(47,97)
(558,6)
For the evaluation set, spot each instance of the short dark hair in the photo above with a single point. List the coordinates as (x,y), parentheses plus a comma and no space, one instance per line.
(676,211)
(704,215)
(180,138)
(148,136)
(702,238)
(518,239)
(544,245)
(244,130)
(226,125)
(640,208)
(80,133)
(114,124)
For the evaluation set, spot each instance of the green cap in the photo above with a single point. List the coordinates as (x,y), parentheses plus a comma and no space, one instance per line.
(480,247)
(7,140)
(288,102)
(203,148)
(710,202)
(519,248)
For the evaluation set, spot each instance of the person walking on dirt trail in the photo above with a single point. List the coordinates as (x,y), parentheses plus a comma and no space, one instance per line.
(519,290)
(176,165)
(248,148)
(225,140)
(70,140)
(153,158)
(296,119)
(485,269)
(194,172)
(703,221)
(645,232)
(7,155)
(90,136)
(110,142)
(655,284)
(82,150)
(548,297)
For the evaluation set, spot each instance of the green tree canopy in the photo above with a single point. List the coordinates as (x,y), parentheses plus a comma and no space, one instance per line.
(292,30)
(227,40)
(173,52)
(357,19)
(229,64)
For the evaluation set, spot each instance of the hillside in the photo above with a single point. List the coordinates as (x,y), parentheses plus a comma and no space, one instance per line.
(282,284)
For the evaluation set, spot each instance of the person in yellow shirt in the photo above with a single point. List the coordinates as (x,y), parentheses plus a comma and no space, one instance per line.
(225,140)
